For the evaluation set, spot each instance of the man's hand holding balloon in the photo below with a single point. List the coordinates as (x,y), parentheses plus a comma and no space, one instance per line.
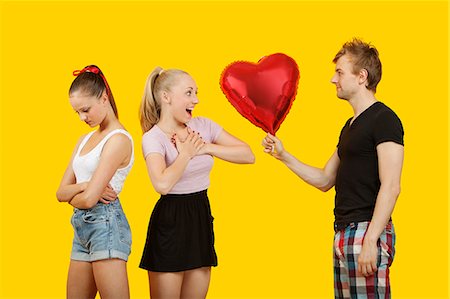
(273,146)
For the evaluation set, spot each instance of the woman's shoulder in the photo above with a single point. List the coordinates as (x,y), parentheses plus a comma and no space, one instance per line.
(118,139)
(121,136)
(120,133)
(154,141)
(153,134)
(207,127)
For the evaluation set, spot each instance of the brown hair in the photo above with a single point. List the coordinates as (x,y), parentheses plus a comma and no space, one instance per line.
(91,81)
(158,81)
(363,56)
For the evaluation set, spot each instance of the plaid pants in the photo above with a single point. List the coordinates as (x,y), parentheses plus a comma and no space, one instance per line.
(348,282)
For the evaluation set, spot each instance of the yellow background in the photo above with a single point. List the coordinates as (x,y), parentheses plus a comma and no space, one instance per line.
(273,232)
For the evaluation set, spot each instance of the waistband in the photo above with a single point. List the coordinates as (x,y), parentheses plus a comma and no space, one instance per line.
(361,224)
(203,193)
(112,204)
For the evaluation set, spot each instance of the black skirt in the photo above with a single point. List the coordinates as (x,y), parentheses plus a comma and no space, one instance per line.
(180,234)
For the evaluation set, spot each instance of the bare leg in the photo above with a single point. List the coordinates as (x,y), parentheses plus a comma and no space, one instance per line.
(111,278)
(165,285)
(80,281)
(196,283)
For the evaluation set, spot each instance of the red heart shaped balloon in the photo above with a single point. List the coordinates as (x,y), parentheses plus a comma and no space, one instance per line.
(262,92)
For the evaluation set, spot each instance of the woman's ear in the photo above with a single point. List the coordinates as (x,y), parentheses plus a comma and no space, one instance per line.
(104,98)
(166,97)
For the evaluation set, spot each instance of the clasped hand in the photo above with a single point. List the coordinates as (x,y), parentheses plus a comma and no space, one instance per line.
(108,195)
(193,144)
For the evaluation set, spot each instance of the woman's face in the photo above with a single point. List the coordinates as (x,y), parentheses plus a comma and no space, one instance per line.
(92,110)
(183,98)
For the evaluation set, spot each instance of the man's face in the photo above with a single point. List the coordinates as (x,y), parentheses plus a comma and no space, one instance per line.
(345,80)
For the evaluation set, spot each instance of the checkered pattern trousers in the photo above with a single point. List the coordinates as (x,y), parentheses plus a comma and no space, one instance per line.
(348,282)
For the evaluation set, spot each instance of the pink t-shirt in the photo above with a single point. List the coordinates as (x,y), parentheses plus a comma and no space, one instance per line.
(196,175)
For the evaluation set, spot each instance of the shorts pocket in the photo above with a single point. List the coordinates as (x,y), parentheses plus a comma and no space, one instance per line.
(77,224)
(123,228)
(387,244)
(94,217)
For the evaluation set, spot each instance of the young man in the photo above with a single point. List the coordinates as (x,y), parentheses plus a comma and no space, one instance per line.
(365,170)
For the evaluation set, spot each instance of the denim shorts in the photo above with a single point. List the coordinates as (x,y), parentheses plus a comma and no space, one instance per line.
(101,232)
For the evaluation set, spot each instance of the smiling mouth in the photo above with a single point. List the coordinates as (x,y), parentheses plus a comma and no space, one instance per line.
(189,111)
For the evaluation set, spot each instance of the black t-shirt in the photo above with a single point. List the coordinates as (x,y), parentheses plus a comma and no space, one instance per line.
(357,179)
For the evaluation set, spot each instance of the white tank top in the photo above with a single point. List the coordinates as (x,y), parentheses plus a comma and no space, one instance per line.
(85,165)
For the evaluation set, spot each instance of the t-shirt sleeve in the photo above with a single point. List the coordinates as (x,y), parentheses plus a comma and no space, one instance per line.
(388,127)
(151,144)
(212,128)
(216,129)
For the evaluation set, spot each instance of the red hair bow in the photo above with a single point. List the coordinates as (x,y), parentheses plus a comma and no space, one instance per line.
(95,70)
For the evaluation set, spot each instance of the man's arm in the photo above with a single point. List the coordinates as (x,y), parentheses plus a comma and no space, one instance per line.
(390,162)
(321,178)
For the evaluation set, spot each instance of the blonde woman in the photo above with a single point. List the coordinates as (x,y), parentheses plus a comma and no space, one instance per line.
(179,149)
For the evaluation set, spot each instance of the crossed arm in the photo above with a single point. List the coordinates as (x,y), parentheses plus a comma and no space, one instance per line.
(115,153)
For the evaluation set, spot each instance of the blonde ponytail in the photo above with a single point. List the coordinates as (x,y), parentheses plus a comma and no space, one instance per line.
(150,109)
(159,80)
